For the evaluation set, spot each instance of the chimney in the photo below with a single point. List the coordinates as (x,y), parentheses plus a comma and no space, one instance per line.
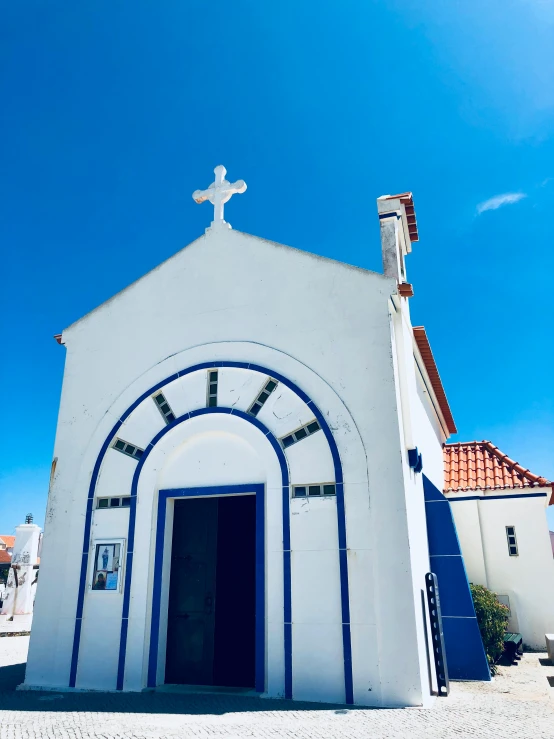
(398,230)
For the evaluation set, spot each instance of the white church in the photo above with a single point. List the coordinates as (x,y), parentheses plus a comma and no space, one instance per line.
(247,483)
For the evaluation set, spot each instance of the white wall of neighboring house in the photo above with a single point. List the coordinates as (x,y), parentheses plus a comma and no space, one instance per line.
(324,325)
(527,579)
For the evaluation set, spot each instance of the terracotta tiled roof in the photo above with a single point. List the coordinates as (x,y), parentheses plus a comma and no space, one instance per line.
(9,541)
(480,465)
(427,355)
(406,198)
(5,557)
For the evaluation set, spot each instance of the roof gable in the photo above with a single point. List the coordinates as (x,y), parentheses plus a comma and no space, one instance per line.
(227,239)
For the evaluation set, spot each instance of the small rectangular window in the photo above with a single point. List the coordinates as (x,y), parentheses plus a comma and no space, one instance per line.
(512,541)
(268,388)
(212,389)
(129,449)
(114,502)
(303,491)
(164,407)
(301,433)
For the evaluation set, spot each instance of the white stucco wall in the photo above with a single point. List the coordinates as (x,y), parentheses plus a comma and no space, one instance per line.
(527,579)
(326,327)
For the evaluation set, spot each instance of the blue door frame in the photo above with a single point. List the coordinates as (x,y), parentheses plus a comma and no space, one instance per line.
(256,489)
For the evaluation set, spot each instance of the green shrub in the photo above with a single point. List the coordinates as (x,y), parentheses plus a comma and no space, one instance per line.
(492,617)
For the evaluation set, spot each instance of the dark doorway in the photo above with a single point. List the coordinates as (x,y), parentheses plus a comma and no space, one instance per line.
(211,614)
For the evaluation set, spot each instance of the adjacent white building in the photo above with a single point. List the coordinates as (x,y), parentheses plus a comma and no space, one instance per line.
(19,594)
(237,478)
(500,512)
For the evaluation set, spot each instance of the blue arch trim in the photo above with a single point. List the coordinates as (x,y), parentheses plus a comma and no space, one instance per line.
(341,522)
(465,655)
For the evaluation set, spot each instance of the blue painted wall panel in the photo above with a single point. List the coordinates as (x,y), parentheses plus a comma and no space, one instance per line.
(454,591)
(464,650)
(465,655)
(441,531)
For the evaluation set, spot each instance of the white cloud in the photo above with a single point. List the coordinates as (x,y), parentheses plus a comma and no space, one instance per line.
(499,200)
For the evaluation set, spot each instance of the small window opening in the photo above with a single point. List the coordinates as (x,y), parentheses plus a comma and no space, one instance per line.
(129,449)
(300,434)
(164,408)
(124,502)
(309,491)
(212,389)
(512,541)
(257,405)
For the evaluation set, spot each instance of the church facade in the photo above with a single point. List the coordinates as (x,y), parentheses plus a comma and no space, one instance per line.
(237,495)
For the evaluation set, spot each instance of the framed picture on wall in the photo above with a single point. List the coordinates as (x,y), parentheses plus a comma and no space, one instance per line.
(106,573)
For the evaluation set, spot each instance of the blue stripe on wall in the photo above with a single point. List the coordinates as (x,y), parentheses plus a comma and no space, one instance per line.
(455,499)
(260,590)
(465,655)
(156,595)
(341,522)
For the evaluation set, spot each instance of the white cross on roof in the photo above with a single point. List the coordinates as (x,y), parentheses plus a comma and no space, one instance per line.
(218,193)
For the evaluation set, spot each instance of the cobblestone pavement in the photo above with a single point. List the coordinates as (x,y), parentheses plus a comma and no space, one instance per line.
(20,624)
(517,704)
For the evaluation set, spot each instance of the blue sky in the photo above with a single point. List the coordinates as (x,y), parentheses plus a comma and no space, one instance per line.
(113,113)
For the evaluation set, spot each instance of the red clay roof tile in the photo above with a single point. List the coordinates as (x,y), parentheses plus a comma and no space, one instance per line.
(480,465)
(8,540)
(424,347)
(5,557)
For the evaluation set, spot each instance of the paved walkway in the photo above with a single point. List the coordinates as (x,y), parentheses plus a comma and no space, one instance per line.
(20,624)
(516,705)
